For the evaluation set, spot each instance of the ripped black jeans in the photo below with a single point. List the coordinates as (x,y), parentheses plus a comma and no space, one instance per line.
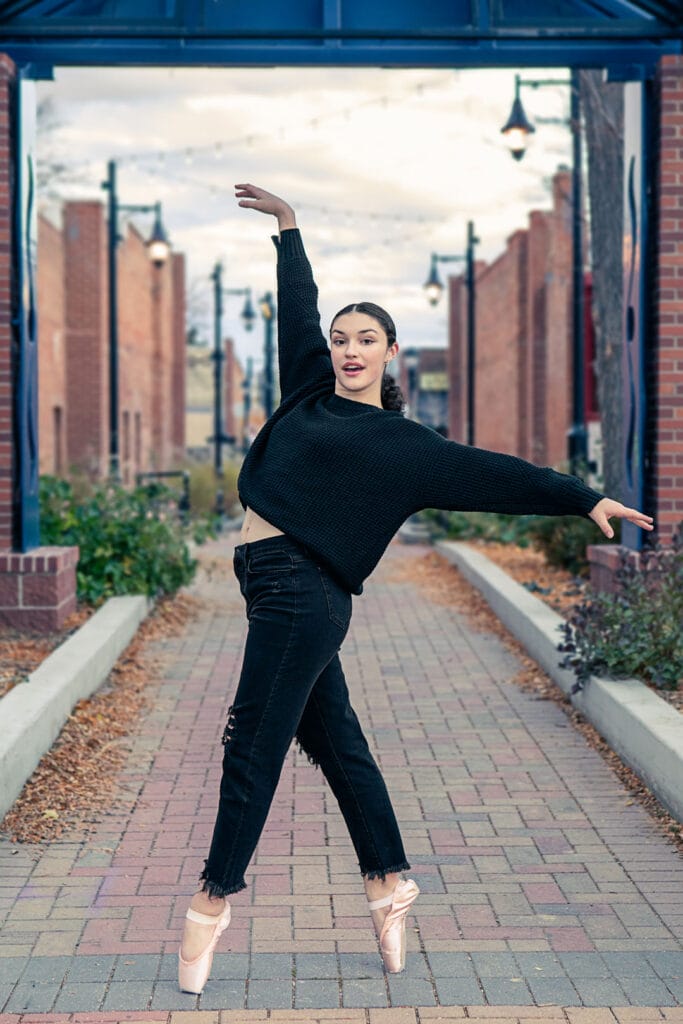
(292,686)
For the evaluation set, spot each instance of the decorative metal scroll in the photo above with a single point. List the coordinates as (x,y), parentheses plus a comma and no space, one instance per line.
(26,529)
(634,314)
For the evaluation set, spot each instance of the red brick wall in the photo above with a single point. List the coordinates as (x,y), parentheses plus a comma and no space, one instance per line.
(457,359)
(85,308)
(665,415)
(151,315)
(498,330)
(523,345)
(178,365)
(7,73)
(52,405)
(137,366)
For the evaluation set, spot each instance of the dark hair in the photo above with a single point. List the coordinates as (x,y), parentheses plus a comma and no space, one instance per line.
(392,396)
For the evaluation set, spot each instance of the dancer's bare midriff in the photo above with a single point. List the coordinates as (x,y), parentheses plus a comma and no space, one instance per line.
(255,527)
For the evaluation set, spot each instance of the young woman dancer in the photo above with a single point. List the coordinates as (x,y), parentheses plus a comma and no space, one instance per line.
(326,484)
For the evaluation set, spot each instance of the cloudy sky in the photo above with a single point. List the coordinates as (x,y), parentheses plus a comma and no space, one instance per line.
(382,166)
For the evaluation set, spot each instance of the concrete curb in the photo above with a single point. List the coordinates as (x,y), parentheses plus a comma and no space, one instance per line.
(643,729)
(33,713)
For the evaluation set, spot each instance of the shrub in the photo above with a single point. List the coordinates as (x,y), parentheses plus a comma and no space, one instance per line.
(130,542)
(203,488)
(637,631)
(488,526)
(562,539)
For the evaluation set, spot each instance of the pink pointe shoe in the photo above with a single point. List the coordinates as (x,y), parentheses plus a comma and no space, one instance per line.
(392,939)
(193,974)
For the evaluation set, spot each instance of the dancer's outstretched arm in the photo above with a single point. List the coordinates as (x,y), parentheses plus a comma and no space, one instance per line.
(302,349)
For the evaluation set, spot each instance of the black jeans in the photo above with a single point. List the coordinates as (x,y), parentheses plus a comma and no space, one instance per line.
(292,685)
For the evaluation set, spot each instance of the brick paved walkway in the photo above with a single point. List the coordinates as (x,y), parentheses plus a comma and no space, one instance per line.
(543,885)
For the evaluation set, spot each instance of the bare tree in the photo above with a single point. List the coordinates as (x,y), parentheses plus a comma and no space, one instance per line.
(603,107)
(52,171)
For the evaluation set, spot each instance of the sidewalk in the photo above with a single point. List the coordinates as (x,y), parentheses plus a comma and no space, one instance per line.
(543,885)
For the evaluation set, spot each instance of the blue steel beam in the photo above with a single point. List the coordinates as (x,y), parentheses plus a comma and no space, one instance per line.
(463,53)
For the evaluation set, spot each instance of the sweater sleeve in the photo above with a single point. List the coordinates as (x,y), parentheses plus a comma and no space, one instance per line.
(461,478)
(302,349)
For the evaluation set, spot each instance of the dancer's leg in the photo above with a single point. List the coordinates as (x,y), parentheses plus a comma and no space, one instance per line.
(290,640)
(330,734)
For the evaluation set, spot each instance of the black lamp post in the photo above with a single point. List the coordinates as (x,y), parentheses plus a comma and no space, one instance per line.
(248,315)
(411,358)
(434,289)
(516,131)
(158,249)
(246,404)
(268,313)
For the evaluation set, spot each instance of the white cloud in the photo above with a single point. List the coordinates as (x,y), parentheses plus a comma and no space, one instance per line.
(324,139)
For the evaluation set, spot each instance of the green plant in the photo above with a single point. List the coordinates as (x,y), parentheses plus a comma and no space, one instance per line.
(203,487)
(564,539)
(636,631)
(488,526)
(130,541)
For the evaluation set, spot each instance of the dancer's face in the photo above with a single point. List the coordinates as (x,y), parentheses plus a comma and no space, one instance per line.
(360,353)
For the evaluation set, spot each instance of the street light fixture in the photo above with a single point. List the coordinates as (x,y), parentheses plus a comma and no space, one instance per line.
(516,131)
(518,127)
(158,249)
(434,290)
(248,316)
(268,313)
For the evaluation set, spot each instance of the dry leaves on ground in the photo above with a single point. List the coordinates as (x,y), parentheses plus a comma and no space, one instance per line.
(444,584)
(77,779)
(21,653)
(554,586)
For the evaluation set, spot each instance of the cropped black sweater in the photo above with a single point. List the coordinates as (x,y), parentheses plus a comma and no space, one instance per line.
(341,476)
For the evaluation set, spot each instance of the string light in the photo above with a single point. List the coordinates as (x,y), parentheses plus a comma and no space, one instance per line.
(190,152)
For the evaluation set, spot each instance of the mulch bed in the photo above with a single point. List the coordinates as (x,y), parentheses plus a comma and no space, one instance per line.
(443,583)
(556,587)
(76,780)
(21,653)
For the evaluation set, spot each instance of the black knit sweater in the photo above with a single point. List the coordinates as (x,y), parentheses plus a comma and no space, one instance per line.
(341,476)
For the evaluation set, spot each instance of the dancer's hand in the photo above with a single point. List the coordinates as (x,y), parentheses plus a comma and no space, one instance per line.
(606,508)
(256,198)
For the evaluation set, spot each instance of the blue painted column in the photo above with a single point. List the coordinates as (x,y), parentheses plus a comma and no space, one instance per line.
(637,168)
(25,508)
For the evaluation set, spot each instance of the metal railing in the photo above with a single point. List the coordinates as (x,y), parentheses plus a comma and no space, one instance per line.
(184,499)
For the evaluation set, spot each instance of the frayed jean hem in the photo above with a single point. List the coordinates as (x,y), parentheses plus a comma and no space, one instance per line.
(217,889)
(382,873)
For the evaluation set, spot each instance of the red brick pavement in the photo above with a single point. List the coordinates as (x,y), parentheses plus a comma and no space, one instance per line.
(535,866)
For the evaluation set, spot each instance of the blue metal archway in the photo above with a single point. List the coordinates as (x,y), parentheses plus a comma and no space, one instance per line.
(427,33)
(625,37)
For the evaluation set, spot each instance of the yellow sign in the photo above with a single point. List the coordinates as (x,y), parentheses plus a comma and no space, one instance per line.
(434,382)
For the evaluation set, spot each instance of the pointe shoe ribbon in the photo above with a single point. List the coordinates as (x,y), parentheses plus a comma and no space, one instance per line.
(193,974)
(392,936)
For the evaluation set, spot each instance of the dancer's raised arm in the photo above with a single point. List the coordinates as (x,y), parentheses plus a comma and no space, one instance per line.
(302,348)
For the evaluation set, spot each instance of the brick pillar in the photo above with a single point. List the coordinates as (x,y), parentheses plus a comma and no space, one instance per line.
(666,380)
(87,367)
(7,74)
(38,588)
(664,372)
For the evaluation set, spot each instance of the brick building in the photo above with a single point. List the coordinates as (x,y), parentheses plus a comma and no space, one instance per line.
(74,349)
(199,414)
(431,387)
(523,342)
